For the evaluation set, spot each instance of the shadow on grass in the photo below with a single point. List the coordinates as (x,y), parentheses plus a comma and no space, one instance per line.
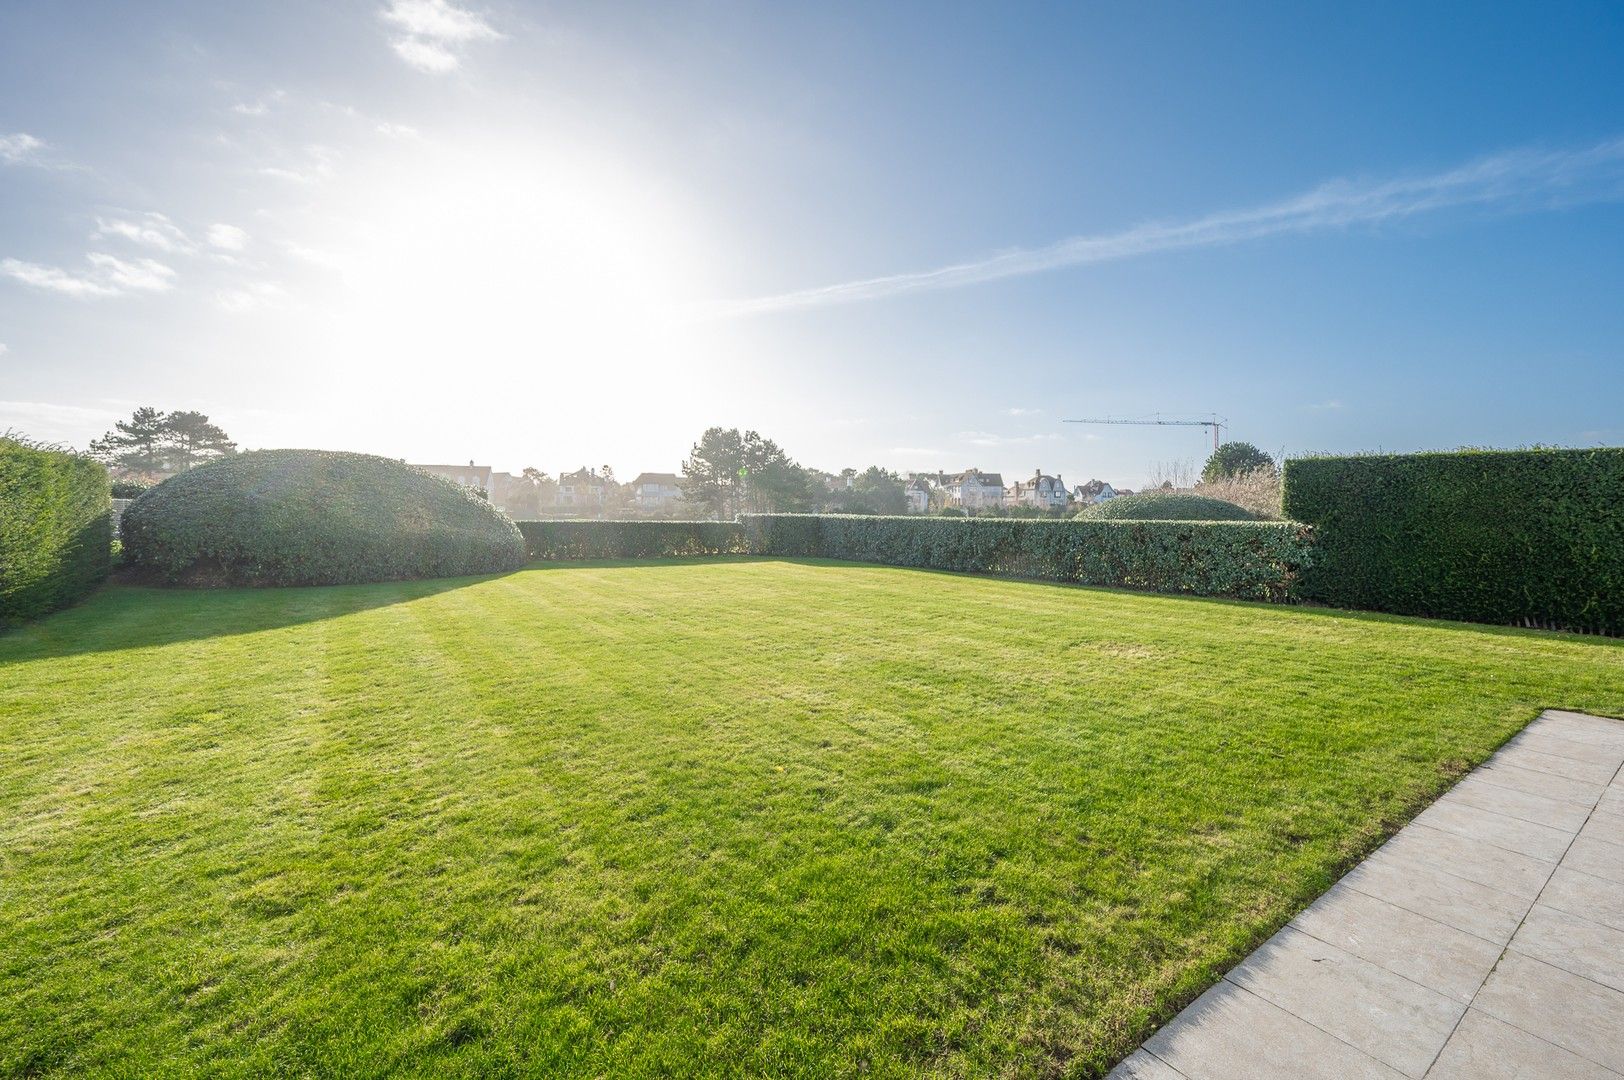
(125,616)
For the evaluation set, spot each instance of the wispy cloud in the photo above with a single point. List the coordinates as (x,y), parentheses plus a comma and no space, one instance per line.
(226,237)
(1515,180)
(987,438)
(151,230)
(317,166)
(21,149)
(918,451)
(1325,406)
(1016,410)
(432,33)
(250,297)
(4,348)
(107,275)
(260,106)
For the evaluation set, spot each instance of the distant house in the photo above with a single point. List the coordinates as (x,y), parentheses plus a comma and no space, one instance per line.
(656,491)
(471,476)
(974,490)
(581,490)
(1041,492)
(508,491)
(918,493)
(1095,491)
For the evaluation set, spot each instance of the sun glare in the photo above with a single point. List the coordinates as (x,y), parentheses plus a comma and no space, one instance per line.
(545,270)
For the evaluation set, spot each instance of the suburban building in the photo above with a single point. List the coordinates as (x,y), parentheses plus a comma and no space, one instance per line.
(581,490)
(476,477)
(1041,492)
(918,493)
(1095,491)
(656,491)
(974,490)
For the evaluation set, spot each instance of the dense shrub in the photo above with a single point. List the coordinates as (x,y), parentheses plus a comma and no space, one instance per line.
(55,529)
(575,539)
(129,489)
(1165,506)
(1251,560)
(313,517)
(1530,537)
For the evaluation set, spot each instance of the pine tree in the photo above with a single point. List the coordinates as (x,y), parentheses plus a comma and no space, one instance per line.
(192,440)
(138,444)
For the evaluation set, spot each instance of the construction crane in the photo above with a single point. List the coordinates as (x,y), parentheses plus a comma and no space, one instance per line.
(1215,423)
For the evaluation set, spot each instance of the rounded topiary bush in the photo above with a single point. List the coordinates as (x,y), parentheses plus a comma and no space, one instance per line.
(1165,506)
(313,517)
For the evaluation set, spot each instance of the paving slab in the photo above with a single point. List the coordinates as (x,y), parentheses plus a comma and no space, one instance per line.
(1595,855)
(1541,809)
(1589,767)
(1485,940)
(1568,1010)
(1396,1021)
(1513,834)
(1505,773)
(1573,944)
(1232,1034)
(1548,743)
(1484,1048)
(1586,896)
(1489,913)
(1466,857)
(1142,1065)
(1423,950)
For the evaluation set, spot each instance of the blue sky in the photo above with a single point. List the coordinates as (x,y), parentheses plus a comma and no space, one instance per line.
(910,235)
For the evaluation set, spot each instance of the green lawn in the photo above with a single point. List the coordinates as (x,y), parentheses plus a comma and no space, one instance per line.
(732,817)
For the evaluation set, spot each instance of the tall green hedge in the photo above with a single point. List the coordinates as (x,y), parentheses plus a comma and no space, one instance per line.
(577,539)
(1165,506)
(1522,537)
(56,537)
(1249,560)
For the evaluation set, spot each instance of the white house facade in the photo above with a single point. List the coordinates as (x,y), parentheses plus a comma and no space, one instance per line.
(975,490)
(1041,492)
(656,491)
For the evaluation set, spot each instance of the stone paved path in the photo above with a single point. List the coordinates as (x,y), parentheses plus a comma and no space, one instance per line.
(1485,940)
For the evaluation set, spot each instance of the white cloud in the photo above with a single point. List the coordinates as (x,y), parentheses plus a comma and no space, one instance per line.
(432,32)
(315,256)
(74,424)
(1016,410)
(918,451)
(987,438)
(397,131)
(250,297)
(426,55)
(20,149)
(108,276)
(1324,406)
(227,237)
(318,166)
(152,230)
(4,348)
(260,106)
(1518,179)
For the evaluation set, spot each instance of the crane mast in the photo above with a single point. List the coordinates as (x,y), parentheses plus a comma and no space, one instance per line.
(1216,424)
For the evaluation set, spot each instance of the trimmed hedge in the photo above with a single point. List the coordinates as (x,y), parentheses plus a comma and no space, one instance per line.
(313,517)
(1247,560)
(1524,537)
(1165,506)
(577,539)
(56,538)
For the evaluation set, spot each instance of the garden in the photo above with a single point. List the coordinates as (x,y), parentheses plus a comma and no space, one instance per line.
(787,795)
